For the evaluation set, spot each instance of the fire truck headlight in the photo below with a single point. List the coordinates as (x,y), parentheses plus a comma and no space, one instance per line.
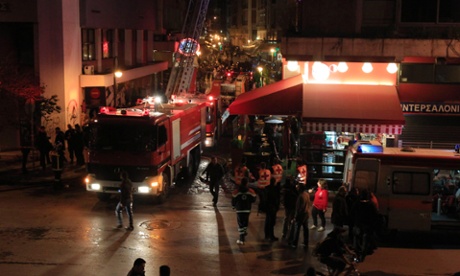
(154,184)
(143,189)
(208,142)
(95,186)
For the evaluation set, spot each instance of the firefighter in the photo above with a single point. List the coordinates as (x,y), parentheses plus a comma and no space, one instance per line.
(264,176)
(302,172)
(277,172)
(242,171)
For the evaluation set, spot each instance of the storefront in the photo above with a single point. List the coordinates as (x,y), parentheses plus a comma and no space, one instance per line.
(330,115)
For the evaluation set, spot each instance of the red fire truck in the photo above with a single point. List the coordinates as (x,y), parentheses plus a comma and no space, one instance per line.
(156,143)
(155,146)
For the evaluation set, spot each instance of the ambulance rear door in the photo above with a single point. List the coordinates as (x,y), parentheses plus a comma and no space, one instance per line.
(410,200)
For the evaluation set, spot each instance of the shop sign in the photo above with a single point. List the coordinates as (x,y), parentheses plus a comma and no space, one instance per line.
(431,108)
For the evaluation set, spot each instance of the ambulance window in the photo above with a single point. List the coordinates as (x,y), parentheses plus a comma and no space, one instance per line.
(162,136)
(411,183)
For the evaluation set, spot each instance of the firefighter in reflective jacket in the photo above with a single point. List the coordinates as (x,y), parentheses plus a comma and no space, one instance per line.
(277,172)
(264,176)
(302,172)
(242,171)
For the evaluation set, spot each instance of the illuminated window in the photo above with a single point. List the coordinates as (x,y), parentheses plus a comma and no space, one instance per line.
(107,43)
(88,44)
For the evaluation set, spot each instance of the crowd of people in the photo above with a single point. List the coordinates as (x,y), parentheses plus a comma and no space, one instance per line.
(72,139)
(354,211)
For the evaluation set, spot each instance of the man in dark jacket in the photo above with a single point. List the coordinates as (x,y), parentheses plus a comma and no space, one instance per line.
(302,213)
(272,205)
(242,199)
(126,201)
(214,173)
(290,194)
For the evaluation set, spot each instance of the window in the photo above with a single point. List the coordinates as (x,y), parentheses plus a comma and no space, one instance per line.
(416,73)
(430,11)
(366,180)
(107,43)
(88,46)
(411,183)
(162,136)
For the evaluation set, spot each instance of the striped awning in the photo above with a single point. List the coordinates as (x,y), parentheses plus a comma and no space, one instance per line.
(363,128)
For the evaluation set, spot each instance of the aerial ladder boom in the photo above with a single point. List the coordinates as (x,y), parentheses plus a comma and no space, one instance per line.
(183,69)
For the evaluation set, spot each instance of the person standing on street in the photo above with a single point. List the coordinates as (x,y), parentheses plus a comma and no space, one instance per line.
(272,207)
(264,176)
(214,173)
(339,215)
(79,145)
(302,213)
(277,172)
(241,171)
(126,201)
(242,199)
(44,146)
(69,137)
(290,194)
(59,143)
(138,268)
(320,205)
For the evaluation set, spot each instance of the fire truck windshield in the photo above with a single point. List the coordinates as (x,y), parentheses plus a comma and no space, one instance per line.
(123,137)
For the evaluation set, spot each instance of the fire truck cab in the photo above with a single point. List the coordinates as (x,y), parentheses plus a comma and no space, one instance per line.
(405,181)
(155,146)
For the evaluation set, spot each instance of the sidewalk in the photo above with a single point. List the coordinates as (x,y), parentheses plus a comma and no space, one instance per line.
(11,175)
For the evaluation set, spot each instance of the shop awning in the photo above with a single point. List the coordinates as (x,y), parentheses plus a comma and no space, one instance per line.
(333,107)
(279,98)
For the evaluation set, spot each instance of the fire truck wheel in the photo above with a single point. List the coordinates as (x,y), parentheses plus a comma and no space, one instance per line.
(165,192)
(103,196)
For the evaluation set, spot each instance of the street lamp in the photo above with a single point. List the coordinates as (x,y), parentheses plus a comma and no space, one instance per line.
(260,69)
(272,51)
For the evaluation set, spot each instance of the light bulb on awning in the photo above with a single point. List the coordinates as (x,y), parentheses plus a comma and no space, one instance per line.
(392,68)
(367,67)
(342,67)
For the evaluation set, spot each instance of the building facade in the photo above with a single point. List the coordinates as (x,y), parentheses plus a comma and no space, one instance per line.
(421,37)
(77,45)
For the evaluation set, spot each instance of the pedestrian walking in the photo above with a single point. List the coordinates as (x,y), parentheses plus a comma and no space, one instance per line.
(302,213)
(138,268)
(214,173)
(289,193)
(79,145)
(272,207)
(320,205)
(339,215)
(69,137)
(44,146)
(242,199)
(126,201)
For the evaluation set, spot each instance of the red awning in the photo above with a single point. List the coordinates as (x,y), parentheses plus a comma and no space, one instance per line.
(337,107)
(279,98)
